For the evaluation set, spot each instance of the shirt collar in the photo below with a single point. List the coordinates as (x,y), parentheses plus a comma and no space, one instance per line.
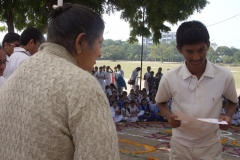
(20,49)
(208,70)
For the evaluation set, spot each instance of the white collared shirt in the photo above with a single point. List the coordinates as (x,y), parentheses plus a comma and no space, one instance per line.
(134,75)
(19,55)
(120,73)
(204,100)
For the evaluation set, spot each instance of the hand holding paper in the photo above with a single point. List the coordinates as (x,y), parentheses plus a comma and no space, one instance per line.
(184,117)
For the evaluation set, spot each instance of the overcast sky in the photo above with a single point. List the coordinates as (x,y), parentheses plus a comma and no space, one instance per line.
(226,33)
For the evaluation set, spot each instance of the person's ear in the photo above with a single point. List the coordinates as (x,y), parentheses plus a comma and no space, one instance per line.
(31,42)
(79,43)
(6,45)
(179,49)
(208,45)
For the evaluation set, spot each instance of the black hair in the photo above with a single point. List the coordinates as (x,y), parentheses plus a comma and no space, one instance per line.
(10,37)
(143,99)
(192,32)
(138,68)
(118,66)
(132,101)
(124,92)
(125,103)
(31,33)
(114,101)
(70,20)
(152,72)
(112,85)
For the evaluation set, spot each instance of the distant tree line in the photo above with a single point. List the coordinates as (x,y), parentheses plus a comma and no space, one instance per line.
(164,52)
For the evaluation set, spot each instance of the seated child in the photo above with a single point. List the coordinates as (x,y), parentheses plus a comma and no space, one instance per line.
(155,113)
(110,99)
(133,97)
(137,87)
(145,113)
(114,94)
(236,118)
(152,104)
(125,97)
(138,95)
(116,112)
(223,106)
(134,111)
(127,116)
(121,101)
(144,96)
(107,91)
(131,93)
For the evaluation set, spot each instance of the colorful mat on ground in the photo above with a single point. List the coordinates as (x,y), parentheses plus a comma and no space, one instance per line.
(161,133)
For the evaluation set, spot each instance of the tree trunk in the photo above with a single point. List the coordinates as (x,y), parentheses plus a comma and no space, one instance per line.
(9,20)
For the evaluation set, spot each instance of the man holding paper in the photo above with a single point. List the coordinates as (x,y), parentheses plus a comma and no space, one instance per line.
(196,88)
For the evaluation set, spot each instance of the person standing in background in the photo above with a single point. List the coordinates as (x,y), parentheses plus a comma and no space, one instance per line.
(119,78)
(10,41)
(115,76)
(151,82)
(158,77)
(146,75)
(95,72)
(134,77)
(101,77)
(109,73)
(30,39)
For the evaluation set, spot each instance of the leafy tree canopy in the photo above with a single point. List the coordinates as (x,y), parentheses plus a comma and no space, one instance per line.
(148,16)
(144,16)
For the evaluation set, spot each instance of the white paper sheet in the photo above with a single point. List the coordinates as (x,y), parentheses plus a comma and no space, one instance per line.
(184,117)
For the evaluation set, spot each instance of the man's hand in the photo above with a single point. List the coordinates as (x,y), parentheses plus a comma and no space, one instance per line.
(227,119)
(174,123)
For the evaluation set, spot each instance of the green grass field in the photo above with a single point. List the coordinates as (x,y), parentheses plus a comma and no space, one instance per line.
(129,66)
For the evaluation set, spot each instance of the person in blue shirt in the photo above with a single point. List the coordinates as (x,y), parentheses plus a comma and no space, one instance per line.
(147,113)
(121,101)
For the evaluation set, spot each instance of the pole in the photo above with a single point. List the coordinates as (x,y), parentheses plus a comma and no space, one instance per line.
(60,2)
(141,66)
(141,56)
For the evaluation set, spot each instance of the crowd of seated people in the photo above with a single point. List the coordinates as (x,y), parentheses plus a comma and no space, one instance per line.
(137,105)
